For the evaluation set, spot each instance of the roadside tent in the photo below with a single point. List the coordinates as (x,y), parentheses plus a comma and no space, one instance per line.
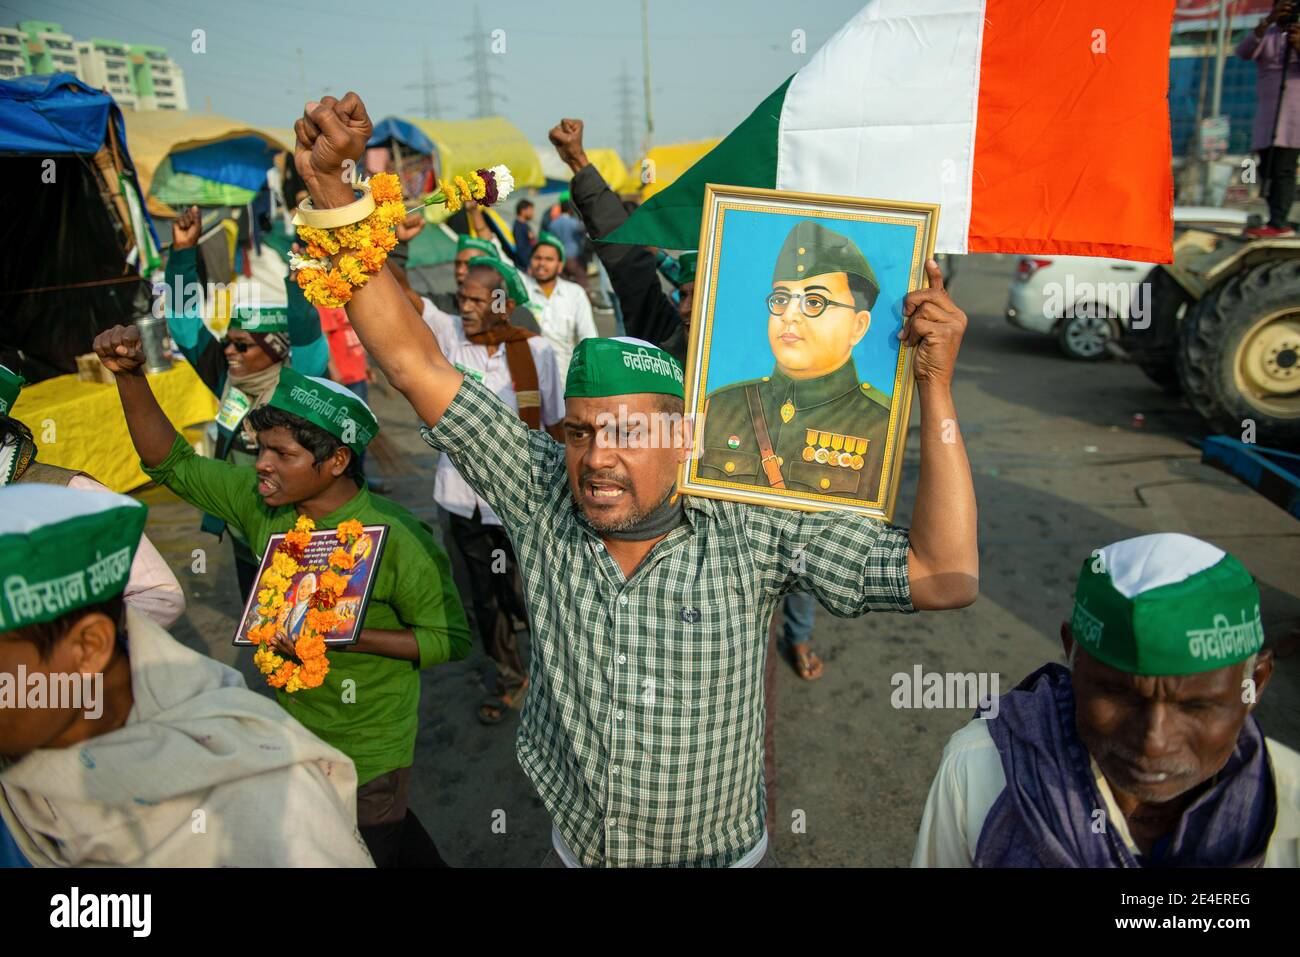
(613,169)
(666,163)
(458,147)
(202,158)
(611,166)
(74,228)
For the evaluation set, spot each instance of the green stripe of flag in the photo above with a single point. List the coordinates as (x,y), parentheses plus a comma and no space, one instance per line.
(747,157)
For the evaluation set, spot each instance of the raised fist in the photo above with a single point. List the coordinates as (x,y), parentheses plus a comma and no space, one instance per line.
(120,350)
(566,137)
(330,133)
(185,228)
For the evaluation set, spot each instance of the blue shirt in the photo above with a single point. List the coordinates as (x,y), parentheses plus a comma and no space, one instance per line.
(569,231)
(523,244)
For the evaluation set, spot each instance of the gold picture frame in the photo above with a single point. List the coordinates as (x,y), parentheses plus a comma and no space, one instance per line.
(806,400)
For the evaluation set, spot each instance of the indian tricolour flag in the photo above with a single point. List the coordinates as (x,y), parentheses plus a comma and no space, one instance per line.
(1040,126)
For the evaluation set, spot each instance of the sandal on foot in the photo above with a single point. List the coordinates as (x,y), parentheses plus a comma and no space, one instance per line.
(806,663)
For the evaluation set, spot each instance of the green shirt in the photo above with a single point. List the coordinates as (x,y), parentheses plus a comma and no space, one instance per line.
(643,726)
(374,718)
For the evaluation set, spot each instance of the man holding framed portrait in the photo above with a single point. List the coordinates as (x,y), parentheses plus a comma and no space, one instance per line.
(643,727)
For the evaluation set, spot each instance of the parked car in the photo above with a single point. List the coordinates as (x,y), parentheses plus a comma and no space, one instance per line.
(1086,302)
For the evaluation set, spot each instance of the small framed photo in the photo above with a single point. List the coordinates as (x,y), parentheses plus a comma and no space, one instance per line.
(799,386)
(304,586)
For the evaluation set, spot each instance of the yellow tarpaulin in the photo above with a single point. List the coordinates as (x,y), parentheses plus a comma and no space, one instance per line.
(614,171)
(466,145)
(671,161)
(80,425)
(152,134)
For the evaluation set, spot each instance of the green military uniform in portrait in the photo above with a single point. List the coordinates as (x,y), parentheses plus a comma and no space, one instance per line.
(824,435)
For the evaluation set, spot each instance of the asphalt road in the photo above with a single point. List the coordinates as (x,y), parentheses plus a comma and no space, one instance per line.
(1060,468)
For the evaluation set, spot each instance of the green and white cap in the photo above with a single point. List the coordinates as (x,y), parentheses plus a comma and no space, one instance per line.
(62,549)
(1166,604)
(515,287)
(336,409)
(11,383)
(622,366)
(269,319)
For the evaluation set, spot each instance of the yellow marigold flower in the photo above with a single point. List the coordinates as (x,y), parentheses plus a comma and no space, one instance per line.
(266,660)
(304,524)
(351,269)
(477,188)
(452,200)
(284,566)
(318,237)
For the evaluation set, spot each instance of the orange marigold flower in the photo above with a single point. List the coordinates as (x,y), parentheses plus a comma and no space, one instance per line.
(385,188)
(282,675)
(335,582)
(312,674)
(371,258)
(309,646)
(349,530)
(341,560)
(322,622)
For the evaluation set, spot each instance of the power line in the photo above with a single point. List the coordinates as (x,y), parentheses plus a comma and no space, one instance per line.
(428,86)
(484,100)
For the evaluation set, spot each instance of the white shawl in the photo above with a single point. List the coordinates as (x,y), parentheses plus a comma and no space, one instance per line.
(204,773)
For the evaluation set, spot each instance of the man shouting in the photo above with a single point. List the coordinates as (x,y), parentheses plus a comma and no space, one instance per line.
(643,728)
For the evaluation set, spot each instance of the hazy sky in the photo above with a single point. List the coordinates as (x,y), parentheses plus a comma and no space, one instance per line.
(712,61)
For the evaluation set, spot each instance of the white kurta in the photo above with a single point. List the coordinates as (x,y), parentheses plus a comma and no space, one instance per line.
(970,779)
(565,319)
(450,490)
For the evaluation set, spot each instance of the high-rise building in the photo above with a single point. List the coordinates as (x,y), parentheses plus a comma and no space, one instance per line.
(159,82)
(13,53)
(138,76)
(49,49)
(106,64)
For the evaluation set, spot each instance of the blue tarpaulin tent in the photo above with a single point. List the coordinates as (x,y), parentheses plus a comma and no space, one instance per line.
(73,254)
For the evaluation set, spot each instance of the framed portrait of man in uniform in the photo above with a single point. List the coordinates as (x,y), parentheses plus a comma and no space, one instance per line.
(799,386)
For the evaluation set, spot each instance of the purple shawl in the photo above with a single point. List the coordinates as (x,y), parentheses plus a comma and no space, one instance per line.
(1044,817)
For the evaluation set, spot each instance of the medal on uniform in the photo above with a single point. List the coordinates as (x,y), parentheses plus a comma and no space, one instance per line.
(787,411)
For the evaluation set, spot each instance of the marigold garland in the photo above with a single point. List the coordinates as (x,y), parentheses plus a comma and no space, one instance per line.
(362,248)
(312,666)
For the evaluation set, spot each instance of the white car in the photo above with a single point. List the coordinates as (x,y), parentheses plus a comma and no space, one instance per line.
(1085,300)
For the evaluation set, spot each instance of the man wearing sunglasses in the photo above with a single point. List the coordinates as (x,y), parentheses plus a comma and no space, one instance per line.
(812,425)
